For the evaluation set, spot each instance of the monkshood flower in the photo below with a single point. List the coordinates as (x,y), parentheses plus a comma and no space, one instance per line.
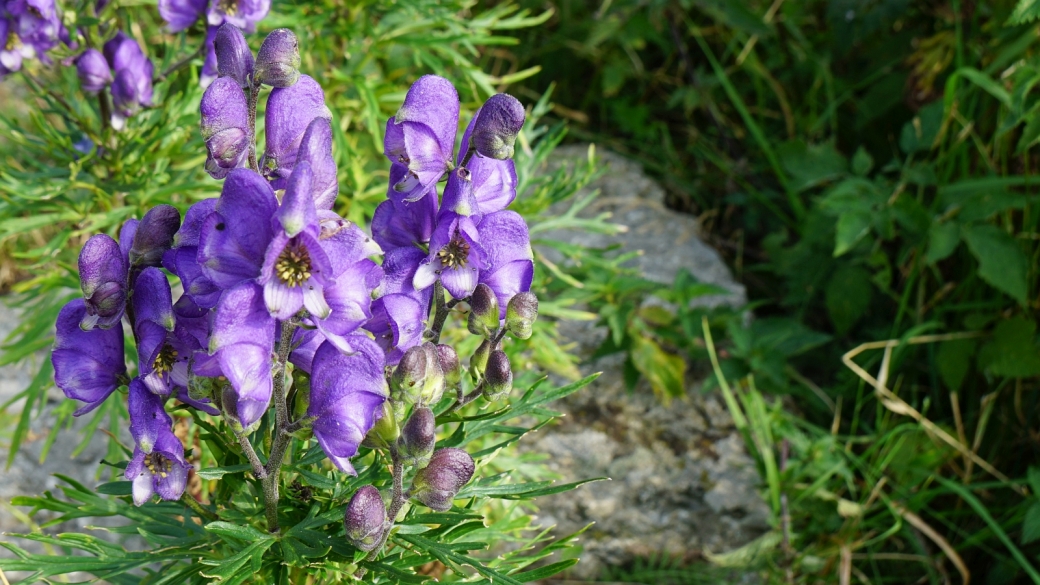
(182,258)
(365,519)
(510,266)
(242,13)
(132,82)
(316,149)
(88,365)
(397,324)
(290,111)
(437,484)
(102,277)
(28,29)
(225,126)
(148,417)
(496,126)
(421,135)
(162,471)
(242,339)
(181,14)
(234,59)
(233,240)
(278,60)
(153,236)
(162,363)
(347,395)
(93,71)
(456,256)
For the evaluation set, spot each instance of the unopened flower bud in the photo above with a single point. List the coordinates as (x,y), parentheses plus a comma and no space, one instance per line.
(450,365)
(478,361)
(419,437)
(385,432)
(437,484)
(521,313)
(409,375)
(93,71)
(483,314)
(498,378)
(433,385)
(154,235)
(234,59)
(225,126)
(365,519)
(278,60)
(102,276)
(497,125)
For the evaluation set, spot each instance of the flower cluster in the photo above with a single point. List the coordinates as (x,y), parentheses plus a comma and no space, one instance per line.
(242,14)
(122,65)
(28,29)
(286,307)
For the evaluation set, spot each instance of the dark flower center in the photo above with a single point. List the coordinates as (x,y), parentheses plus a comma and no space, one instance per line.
(229,7)
(293,266)
(12,41)
(454,255)
(164,361)
(157,464)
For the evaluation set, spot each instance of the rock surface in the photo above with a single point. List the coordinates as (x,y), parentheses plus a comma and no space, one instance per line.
(681,481)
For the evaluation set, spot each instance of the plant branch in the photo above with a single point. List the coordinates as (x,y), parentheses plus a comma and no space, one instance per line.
(398,498)
(442,311)
(254,95)
(281,438)
(464,399)
(189,501)
(247,448)
(179,64)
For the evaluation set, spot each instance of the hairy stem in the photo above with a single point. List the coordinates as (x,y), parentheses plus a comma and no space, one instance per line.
(441,313)
(189,501)
(254,95)
(281,439)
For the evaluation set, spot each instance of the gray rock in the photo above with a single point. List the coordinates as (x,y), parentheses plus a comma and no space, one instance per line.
(680,479)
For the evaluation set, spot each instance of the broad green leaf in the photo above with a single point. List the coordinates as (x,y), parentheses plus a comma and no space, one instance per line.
(953,360)
(1033,476)
(811,165)
(919,134)
(848,296)
(862,162)
(850,229)
(1001,261)
(1012,352)
(942,241)
(1031,524)
(665,371)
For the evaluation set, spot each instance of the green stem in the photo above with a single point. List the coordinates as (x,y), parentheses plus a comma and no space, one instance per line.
(189,501)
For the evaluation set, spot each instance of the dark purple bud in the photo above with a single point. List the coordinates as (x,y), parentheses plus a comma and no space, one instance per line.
(498,377)
(154,236)
(278,60)
(483,314)
(478,361)
(450,365)
(498,122)
(419,437)
(437,484)
(521,313)
(93,71)
(88,365)
(181,14)
(102,276)
(409,375)
(234,59)
(365,519)
(225,126)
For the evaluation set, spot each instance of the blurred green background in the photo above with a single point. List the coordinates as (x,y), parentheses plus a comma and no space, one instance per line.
(865,167)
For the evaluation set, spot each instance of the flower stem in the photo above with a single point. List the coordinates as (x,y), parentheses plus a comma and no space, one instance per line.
(106,111)
(179,64)
(398,498)
(464,400)
(254,95)
(441,313)
(247,448)
(189,501)
(281,439)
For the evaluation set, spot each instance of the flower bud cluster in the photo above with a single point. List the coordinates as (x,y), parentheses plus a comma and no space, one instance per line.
(28,30)
(122,66)
(240,14)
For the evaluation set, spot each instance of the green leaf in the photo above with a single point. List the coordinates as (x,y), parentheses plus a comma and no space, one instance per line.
(1033,476)
(850,229)
(919,134)
(219,472)
(1012,352)
(234,567)
(848,296)
(116,488)
(811,165)
(665,371)
(942,241)
(953,360)
(1001,261)
(1025,11)
(245,533)
(862,162)
(544,572)
(1031,524)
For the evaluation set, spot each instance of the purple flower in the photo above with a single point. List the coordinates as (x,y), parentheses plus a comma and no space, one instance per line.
(485,185)
(347,394)
(181,14)
(234,238)
(153,236)
(28,29)
(278,60)
(421,136)
(132,87)
(148,417)
(399,224)
(225,126)
(88,365)
(290,111)
(397,324)
(163,470)
(437,484)
(102,276)
(350,281)
(296,268)
(243,339)
(456,256)
(510,265)
(209,70)
(182,258)
(316,149)
(496,126)
(92,70)
(234,59)
(242,13)
(162,358)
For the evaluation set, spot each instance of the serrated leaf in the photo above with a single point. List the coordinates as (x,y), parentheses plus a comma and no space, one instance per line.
(237,531)
(235,565)
(1001,261)
(1025,11)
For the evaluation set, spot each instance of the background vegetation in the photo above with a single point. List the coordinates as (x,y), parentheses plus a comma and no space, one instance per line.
(866,166)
